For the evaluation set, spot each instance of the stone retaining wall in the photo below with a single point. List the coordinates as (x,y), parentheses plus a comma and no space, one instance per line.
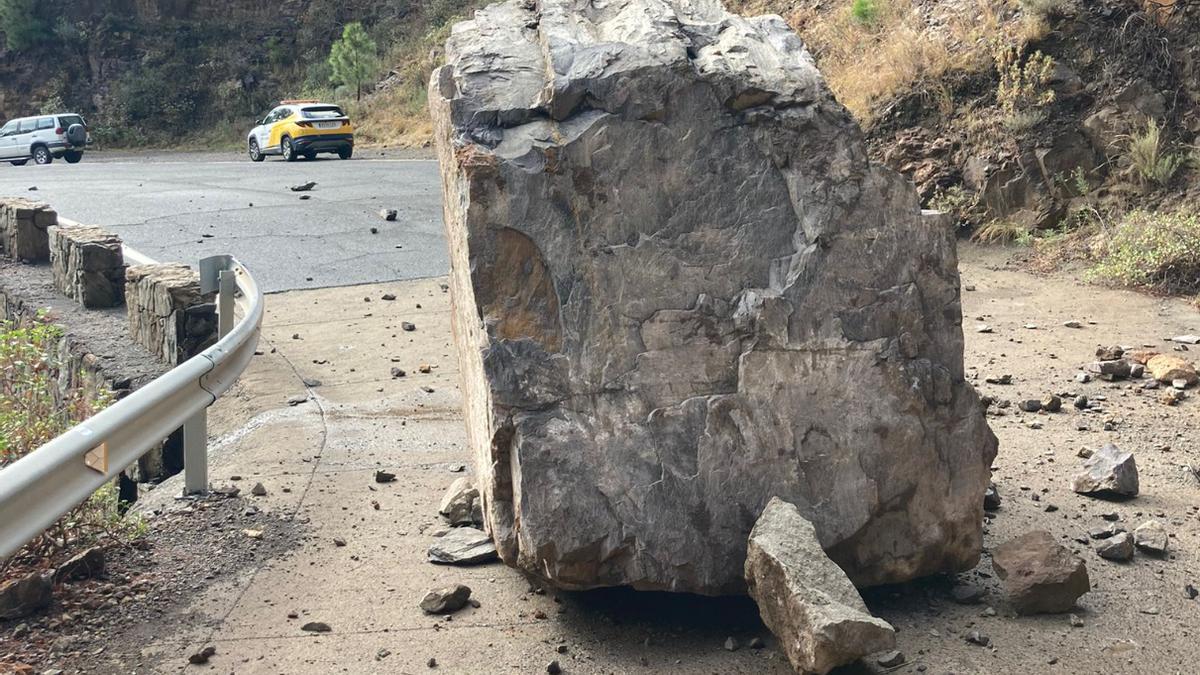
(167,313)
(24,229)
(88,265)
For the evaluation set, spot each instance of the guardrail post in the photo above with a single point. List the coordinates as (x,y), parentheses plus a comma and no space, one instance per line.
(195,453)
(227,287)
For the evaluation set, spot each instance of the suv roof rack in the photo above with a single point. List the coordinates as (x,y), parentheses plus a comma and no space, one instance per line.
(297,101)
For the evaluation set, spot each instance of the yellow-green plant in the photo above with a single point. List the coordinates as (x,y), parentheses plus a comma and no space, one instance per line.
(1024,87)
(1150,161)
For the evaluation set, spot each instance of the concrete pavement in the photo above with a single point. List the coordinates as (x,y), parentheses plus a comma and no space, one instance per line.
(183,207)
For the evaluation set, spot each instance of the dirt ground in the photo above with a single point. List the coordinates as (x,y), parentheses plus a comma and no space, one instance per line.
(316,459)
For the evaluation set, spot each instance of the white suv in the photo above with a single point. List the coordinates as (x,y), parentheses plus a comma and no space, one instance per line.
(43,139)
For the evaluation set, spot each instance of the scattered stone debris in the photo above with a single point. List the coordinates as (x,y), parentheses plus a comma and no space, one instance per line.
(1108,472)
(382,476)
(977,638)
(732,644)
(408,326)
(1118,547)
(1000,379)
(304,187)
(1052,403)
(297,399)
(1187,339)
(462,546)
(553,668)
(1073,324)
(1076,621)
(1030,405)
(446,600)
(388,214)
(805,598)
(259,490)
(316,627)
(967,594)
(201,657)
(890,659)
(398,373)
(1040,575)
(1151,536)
(388,297)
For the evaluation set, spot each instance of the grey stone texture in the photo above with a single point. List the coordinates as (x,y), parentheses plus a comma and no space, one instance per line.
(681,289)
(24,226)
(167,313)
(88,265)
(806,600)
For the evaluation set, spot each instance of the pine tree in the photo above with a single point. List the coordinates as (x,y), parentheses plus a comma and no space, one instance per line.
(21,24)
(352,58)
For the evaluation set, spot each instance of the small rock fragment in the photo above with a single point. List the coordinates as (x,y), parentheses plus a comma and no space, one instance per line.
(201,657)
(731,644)
(388,214)
(398,372)
(1039,574)
(1108,472)
(1118,547)
(890,659)
(1030,405)
(460,505)
(388,297)
(1151,536)
(407,326)
(1051,403)
(446,600)
(259,490)
(384,476)
(86,565)
(25,595)
(1168,368)
(967,594)
(316,627)
(1076,622)
(462,546)
(991,498)
(553,668)
(977,638)
(304,187)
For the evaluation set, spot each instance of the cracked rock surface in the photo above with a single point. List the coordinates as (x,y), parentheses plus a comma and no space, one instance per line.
(680,289)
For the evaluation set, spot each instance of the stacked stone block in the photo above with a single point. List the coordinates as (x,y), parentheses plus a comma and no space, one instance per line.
(88,265)
(168,315)
(24,226)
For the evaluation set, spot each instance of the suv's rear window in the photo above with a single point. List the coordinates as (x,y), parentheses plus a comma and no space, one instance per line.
(65,121)
(322,112)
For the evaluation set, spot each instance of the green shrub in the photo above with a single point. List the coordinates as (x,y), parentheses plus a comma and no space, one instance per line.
(352,59)
(865,12)
(1024,88)
(1155,251)
(23,27)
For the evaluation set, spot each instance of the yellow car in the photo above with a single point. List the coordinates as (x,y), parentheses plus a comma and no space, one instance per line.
(301,129)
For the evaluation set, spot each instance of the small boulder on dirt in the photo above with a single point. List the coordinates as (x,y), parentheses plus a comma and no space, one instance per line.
(1118,547)
(1109,472)
(805,598)
(388,214)
(991,498)
(25,595)
(462,546)
(1040,575)
(86,565)
(304,187)
(446,600)
(1117,369)
(1151,536)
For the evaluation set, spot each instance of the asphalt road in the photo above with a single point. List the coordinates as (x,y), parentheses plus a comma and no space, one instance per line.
(185,207)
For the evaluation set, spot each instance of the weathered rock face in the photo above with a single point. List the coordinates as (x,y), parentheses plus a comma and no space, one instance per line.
(805,598)
(88,265)
(681,290)
(168,315)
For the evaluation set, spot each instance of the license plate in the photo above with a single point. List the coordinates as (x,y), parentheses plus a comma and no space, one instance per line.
(329,125)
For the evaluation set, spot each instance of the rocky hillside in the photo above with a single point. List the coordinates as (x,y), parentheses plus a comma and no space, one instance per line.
(181,71)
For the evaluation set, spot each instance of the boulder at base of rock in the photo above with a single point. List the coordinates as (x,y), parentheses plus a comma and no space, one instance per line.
(1108,472)
(446,600)
(1168,368)
(1040,575)
(462,546)
(24,596)
(805,598)
(1151,536)
(461,505)
(681,288)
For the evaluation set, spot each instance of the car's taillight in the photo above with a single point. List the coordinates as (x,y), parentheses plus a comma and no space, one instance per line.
(60,131)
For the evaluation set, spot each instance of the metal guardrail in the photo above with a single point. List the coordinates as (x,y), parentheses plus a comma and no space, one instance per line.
(41,487)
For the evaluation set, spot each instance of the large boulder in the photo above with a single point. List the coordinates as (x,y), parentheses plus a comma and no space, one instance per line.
(681,289)
(805,598)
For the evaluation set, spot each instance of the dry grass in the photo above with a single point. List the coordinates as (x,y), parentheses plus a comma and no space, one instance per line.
(1001,232)
(897,54)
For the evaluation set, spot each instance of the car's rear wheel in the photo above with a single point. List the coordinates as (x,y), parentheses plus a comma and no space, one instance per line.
(346,153)
(256,152)
(289,150)
(72,156)
(41,155)
(19,162)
